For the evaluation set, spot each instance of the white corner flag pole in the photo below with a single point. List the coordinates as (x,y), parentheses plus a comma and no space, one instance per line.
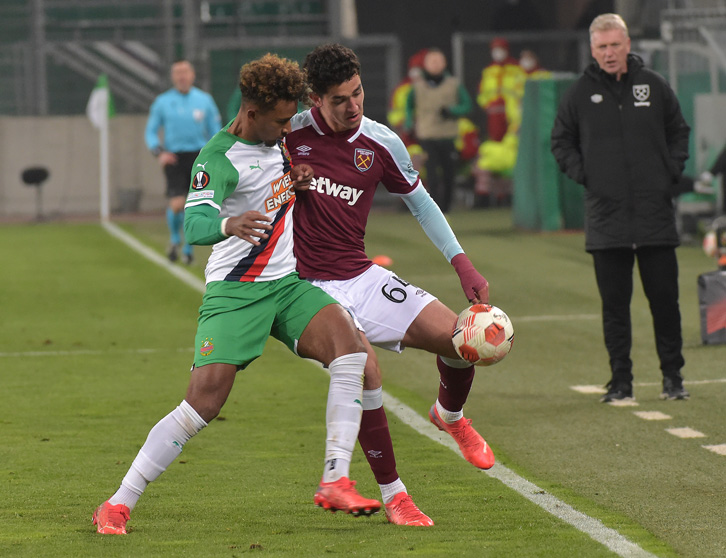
(104,157)
(97,111)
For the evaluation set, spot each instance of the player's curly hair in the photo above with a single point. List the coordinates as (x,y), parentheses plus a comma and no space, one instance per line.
(330,65)
(270,79)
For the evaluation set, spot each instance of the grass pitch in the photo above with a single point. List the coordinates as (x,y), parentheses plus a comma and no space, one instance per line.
(96,345)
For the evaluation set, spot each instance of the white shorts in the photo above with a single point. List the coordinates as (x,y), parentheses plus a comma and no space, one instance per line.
(383,306)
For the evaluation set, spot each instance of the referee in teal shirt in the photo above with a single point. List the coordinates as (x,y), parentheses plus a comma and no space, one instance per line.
(181,121)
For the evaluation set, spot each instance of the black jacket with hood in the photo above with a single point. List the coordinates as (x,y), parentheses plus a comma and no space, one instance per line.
(627,143)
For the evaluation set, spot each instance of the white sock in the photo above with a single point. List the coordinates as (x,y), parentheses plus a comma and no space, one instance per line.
(388,491)
(455,362)
(449,416)
(343,414)
(162,447)
(372,399)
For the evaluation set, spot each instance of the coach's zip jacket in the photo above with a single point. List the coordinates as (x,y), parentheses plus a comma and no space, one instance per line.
(627,143)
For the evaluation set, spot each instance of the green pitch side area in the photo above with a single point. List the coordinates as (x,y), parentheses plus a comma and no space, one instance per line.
(96,348)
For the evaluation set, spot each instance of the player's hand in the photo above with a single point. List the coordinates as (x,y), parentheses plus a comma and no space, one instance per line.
(476,288)
(167,158)
(302,176)
(249,226)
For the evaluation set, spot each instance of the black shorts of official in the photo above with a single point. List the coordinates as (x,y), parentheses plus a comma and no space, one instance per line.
(179,176)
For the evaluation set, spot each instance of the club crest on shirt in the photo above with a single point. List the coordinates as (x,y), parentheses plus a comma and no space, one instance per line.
(285,152)
(641,94)
(363,159)
(200,181)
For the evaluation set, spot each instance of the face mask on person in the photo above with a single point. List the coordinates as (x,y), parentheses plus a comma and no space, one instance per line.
(528,63)
(499,54)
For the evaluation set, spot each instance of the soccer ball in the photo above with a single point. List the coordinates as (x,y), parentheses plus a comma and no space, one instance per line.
(483,334)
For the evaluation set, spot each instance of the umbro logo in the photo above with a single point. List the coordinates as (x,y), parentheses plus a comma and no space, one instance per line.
(303,150)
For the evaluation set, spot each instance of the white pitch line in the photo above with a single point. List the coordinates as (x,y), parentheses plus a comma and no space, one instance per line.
(180,273)
(85,352)
(556,318)
(589,390)
(627,402)
(592,389)
(651,415)
(592,527)
(685,432)
(720,449)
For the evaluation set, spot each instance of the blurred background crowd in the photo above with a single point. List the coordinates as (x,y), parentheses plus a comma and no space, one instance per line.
(506,63)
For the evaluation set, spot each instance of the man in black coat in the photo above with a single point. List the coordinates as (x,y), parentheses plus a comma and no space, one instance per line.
(619,132)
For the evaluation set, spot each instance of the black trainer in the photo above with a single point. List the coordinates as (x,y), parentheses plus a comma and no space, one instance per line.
(172,252)
(673,389)
(617,391)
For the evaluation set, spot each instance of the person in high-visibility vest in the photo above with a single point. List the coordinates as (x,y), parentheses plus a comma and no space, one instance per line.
(498,82)
(397,108)
(436,101)
(397,112)
(500,99)
(529,62)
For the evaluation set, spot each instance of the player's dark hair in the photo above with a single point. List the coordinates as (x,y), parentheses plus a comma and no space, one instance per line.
(330,65)
(271,79)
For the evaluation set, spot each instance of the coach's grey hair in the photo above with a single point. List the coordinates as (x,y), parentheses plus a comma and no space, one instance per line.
(606,22)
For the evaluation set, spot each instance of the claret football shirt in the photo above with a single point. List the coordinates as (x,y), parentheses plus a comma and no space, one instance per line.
(330,218)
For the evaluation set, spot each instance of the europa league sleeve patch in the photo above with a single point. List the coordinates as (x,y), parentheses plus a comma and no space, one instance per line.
(201,180)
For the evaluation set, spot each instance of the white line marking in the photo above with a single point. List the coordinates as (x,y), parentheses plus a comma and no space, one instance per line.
(588,390)
(81,352)
(178,272)
(719,449)
(685,432)
(592,527)
(584,523)
(627,402)
(555,318)
(651,415)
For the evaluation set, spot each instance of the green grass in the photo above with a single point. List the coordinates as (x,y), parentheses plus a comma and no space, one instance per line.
(96,347)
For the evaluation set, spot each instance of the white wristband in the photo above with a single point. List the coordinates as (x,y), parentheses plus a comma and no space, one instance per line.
(223,227)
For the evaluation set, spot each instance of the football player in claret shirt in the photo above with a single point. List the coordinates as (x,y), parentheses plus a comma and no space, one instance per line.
(350,155)
(241,201)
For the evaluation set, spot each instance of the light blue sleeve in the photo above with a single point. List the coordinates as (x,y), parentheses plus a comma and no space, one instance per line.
(151,134)
(432,221)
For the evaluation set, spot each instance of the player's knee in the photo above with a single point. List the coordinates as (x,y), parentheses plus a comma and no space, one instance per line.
(372,373)
(207,408)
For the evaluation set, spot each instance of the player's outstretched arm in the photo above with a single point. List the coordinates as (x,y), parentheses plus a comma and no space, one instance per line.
(476,287)
(436,227)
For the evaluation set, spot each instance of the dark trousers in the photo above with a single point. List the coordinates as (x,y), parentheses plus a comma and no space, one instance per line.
(440,170)
(179,176)
(659,275)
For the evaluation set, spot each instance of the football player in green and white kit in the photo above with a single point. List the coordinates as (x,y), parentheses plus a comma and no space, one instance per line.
(241,201)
